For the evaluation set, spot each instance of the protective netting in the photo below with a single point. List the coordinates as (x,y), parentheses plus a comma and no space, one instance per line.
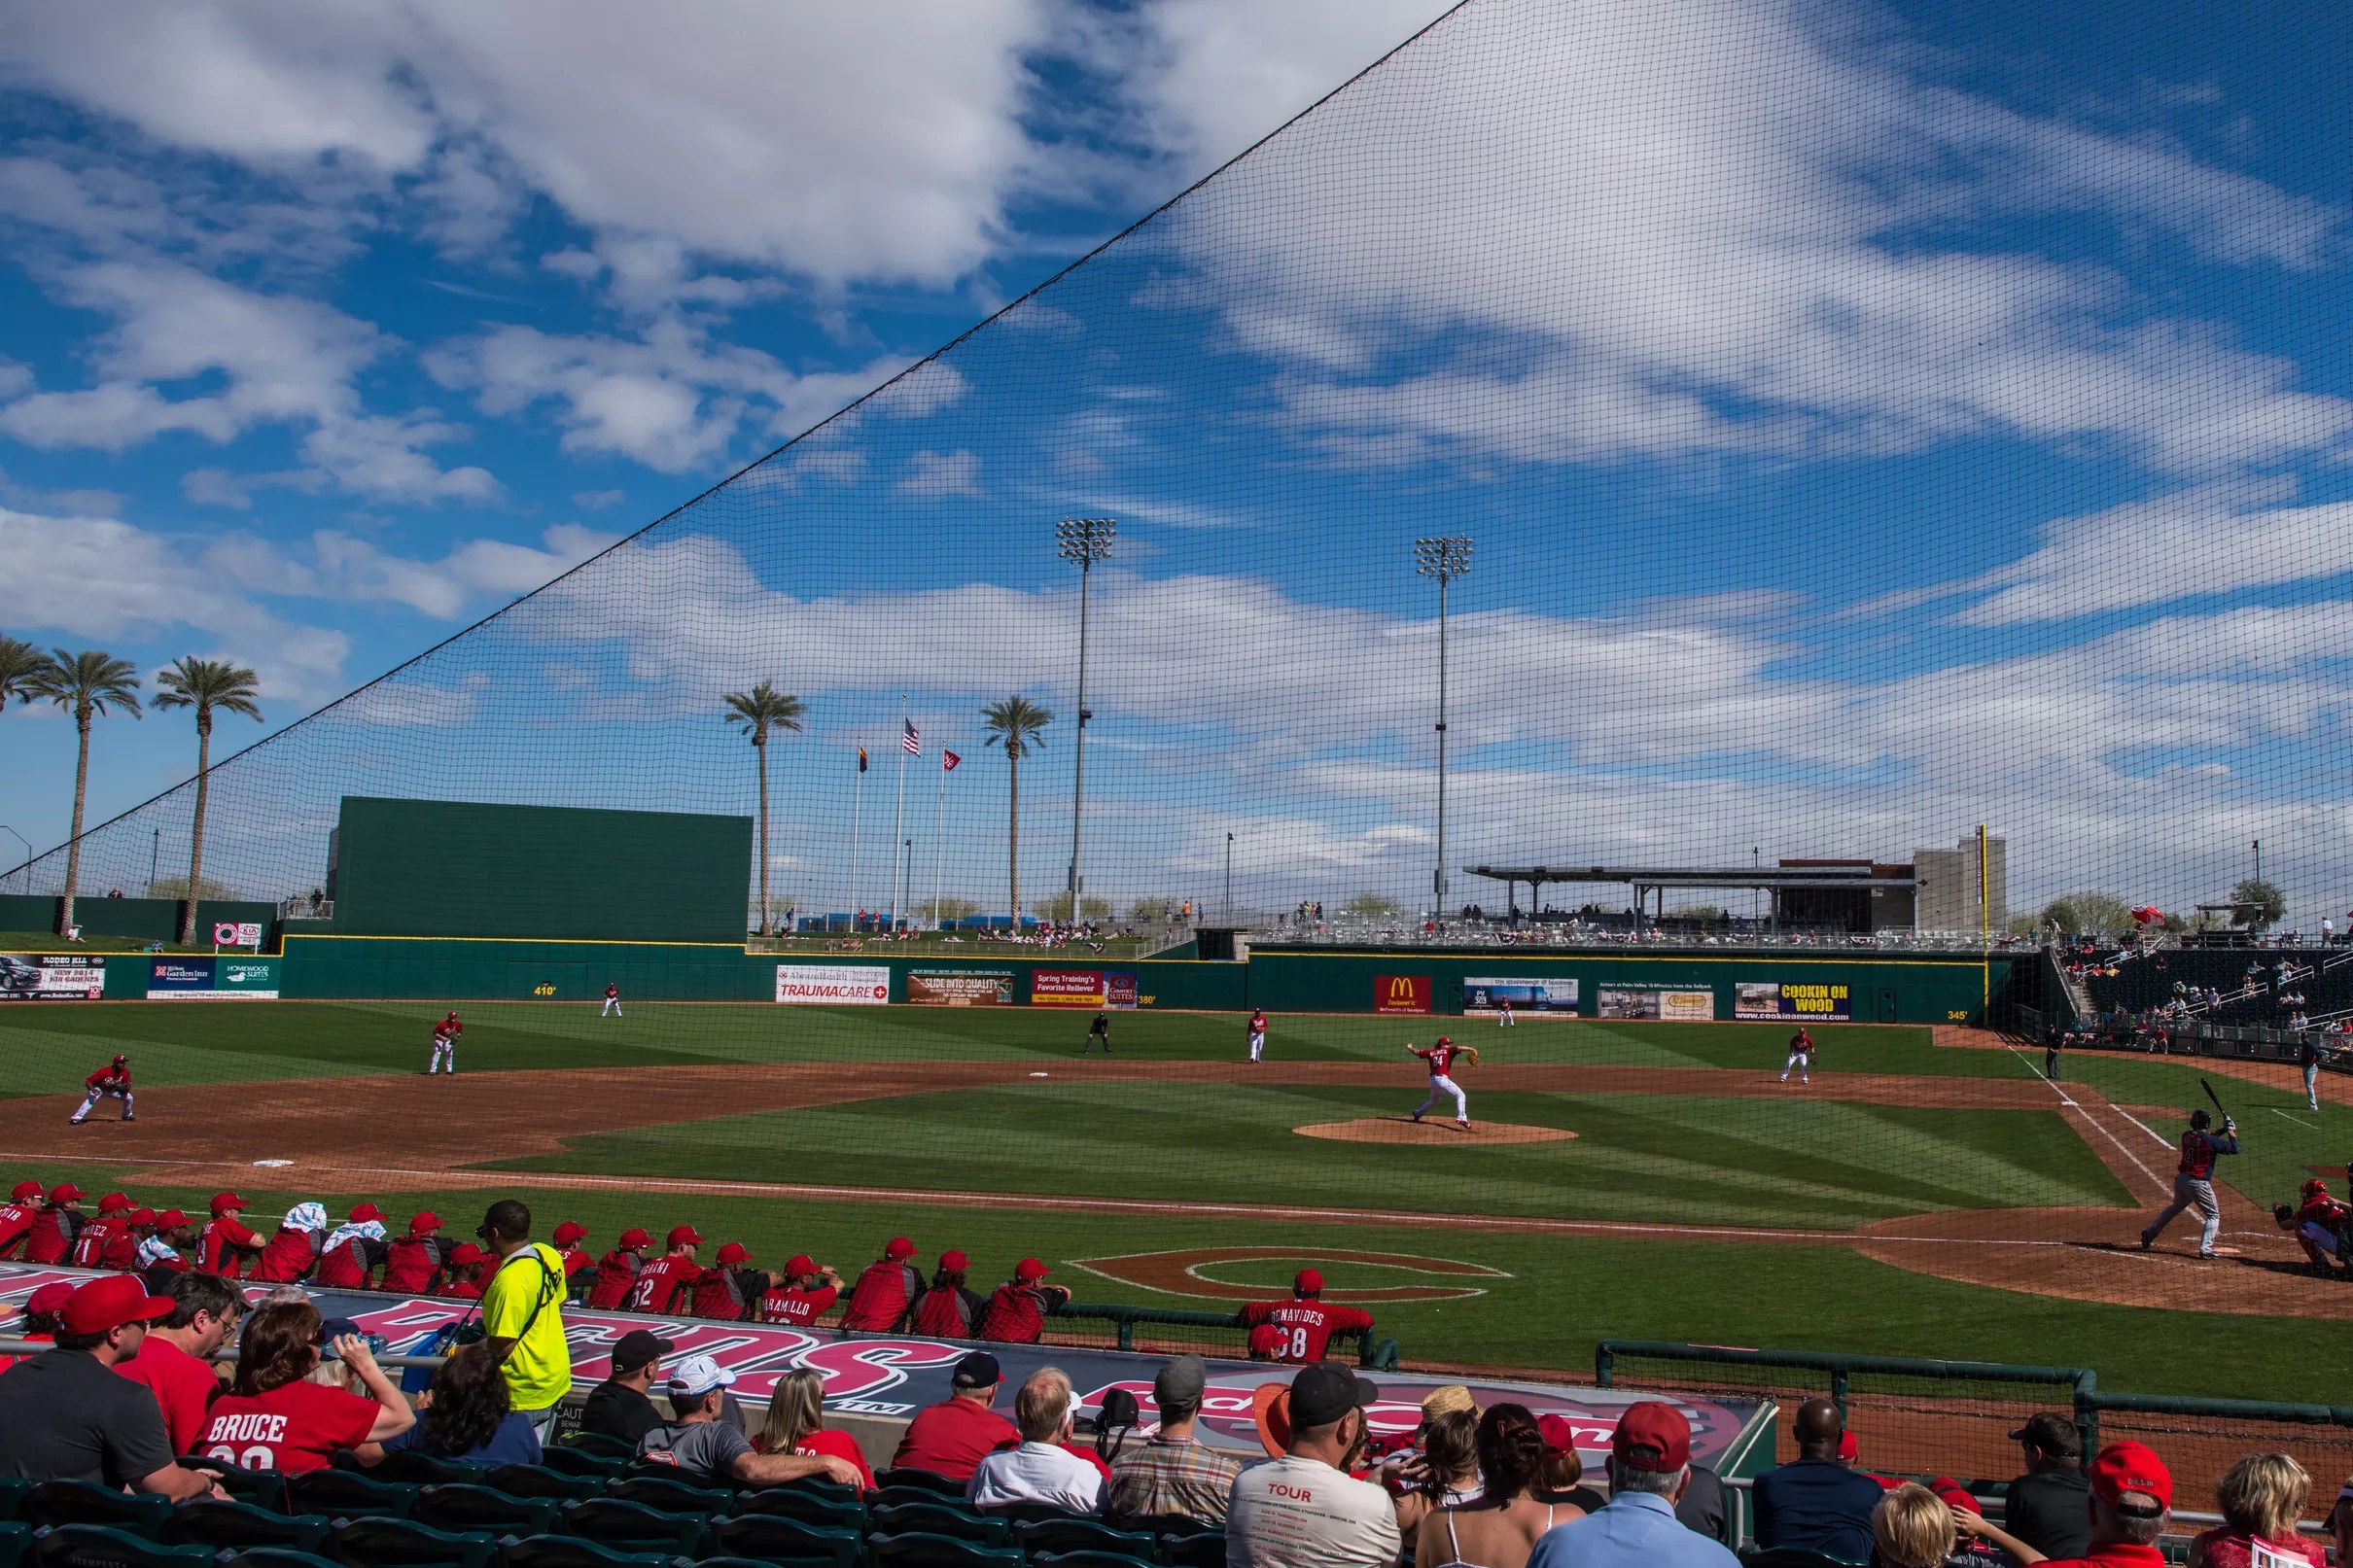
(1809,531)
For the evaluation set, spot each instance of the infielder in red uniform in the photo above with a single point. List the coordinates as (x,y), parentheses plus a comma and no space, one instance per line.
(805,1292)
(1303,1322)
(446,1045)
(225,1245)
(16,1218)
(110,1082)
(2318,1226)
(1440,1059)
(1801,1057)
(1257,1034)
(613,1001)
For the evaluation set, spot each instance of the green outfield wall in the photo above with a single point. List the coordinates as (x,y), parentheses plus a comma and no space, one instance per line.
(141,920)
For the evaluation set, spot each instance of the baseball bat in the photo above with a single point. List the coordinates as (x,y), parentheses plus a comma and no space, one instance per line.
(2212,1095)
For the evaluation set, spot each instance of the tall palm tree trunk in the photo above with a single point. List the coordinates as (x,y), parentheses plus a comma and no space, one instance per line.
(72,844)
(766,925)
(196,834)
(1013,846)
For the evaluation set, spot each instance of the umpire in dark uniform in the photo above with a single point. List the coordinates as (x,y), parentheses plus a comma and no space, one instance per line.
(1098,1030)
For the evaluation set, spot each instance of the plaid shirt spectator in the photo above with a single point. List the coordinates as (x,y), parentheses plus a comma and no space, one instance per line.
(1180,1476)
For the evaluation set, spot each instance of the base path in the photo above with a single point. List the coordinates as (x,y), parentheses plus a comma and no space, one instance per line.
(406,1133)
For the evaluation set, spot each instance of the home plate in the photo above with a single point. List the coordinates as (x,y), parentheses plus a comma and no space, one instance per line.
(1041,1075)
(273,1164)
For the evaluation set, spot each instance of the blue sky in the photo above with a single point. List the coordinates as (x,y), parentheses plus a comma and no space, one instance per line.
(1873,422)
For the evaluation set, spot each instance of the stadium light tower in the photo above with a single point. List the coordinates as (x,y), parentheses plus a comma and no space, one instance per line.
(1446,558)
(1084,540)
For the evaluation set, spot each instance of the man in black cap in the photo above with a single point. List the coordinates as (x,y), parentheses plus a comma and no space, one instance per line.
(954,1436)
(2046,1507)
(620,1406)
(1303,1510)
(1175,1475)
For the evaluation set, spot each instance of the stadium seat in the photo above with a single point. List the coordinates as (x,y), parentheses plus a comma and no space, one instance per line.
(264,1488)
(12,1496)
(52,1503)
(786,1561)
(1203,1548)
(939,1519)
(921,1550)
(571,1551)
(418,1469)
(339,1494)
(920,1480)
(404,1544)
(15,1544)
(537,1481)
(1076,1533)
(95,1545)
(232,1527)
(770,1537)
(1090,1559)
(670,1494)
(598,1446)
(835,1506)
(632,1526)
(567,1460)
(279,1558)
(461,1505)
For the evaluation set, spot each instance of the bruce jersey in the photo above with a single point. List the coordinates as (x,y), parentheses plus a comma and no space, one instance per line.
(1305,1326)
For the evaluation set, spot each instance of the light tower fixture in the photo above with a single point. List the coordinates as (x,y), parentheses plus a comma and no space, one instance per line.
(1444,557)
(1083,540)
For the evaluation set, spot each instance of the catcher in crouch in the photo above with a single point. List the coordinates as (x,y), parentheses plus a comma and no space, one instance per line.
(1441,1059)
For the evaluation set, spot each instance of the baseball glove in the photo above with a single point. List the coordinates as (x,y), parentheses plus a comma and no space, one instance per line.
(2284,1214)
(1473,1054)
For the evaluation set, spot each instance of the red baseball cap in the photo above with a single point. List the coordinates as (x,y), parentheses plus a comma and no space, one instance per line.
(1558,1436)
(634,1237)
(65,1192)
(1308,1281)
(361,1213)
(223,1201)
(23,1190)
(1954,1494)
(424,1224)
(49,1298)
(169,1218)
(683,1236)
(954,1260)
(1848,1448)
(1030,1271)
(1445,1039)
(732,1252)
(109,1304)
(801,1264)
(2131,1467)
(898,1247)
(466,1253)
(1266,1339)
(140,1217)
(115,1200)
(1652,1436)
(568,1231)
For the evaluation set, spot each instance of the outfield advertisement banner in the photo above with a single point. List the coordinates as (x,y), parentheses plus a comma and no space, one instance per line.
(1401,994)
(51,977)
(1083,988)
(863,984)
(212,980)
(960,988)
(1694,1006)
(1770,998)
(1529,997)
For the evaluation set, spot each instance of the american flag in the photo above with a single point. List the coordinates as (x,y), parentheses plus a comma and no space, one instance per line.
(911,741)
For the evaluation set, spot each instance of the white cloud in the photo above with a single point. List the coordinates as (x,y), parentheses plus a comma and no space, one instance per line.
(943,473)
(340,566)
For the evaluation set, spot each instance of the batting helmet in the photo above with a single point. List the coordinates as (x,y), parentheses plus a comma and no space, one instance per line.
(2200,1120)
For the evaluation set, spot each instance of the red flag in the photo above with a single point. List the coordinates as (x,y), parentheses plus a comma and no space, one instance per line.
(948,760)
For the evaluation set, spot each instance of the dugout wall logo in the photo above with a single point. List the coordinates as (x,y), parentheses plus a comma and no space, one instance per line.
(1401,994)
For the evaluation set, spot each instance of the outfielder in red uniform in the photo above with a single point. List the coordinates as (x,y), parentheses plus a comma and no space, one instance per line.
(55,1226)
(613,1001)
(663,1284)
(950,1309)
(1017,1310)
(110,1082)
(413,1263)
(1258,1034)
(805,1292)
(1440,1059)
(108,1231)
(886,1290)
(1305,1322)
(617,1270)
(225,1246)
(2319,1226)
(16,1218)
(446,1045)
(1801,1057)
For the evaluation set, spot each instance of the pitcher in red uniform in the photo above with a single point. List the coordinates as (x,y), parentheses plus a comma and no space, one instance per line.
(1305,1323)
(1440,1059)
(729,1292)
(1018,1309)
(413,1263)
(617,1270)
(887,1290)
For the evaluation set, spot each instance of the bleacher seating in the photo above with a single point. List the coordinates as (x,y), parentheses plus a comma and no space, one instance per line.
(99,1546)
(2147,982)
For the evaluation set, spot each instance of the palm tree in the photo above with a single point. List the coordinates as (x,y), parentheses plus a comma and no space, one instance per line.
(86,682)
(19,662)
(757,712)
(209,686)
(1015,724)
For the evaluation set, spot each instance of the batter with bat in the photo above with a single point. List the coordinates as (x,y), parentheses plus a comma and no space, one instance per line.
(2193,1178)
(1440,1059)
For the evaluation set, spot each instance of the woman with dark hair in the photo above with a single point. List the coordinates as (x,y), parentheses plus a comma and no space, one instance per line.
(467,1417)
(275,1419)
(796,1424)
(1501,1526)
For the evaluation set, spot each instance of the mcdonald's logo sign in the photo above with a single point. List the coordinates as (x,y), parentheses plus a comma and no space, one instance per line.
(1401,994)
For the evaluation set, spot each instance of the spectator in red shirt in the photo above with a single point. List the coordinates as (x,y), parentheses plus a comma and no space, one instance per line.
(1016,1314)
(2262,1497)
(174,1362)
(1305,1324)
(796,1424)
(17,1217)
(728,1292)
(274,1418)
(464,1279)
(805,1292)
(2131,1492)
(579,1263)
(55,1226)
(94,1240)
(412,1264)
(952,1438)
(292,1251)
(662,1283)
(950,1309)
(225,1245)
(354,1250)
(887,1289)
(617,1270)
(65,1415)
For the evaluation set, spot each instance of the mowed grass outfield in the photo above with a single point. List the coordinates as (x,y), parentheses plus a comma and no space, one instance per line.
(1805,1162)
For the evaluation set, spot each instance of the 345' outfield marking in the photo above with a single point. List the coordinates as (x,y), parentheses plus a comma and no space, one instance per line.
(1186,1273)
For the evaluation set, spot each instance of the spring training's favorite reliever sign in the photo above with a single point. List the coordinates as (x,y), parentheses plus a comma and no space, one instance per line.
(1529,997)
(1082,987)
(1653,1002)
(960,988)
(1768,999)
(855,983)
(51,977)
(211,980)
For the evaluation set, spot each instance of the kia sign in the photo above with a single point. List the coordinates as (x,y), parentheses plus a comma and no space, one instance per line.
(32,977)
(851,984)
(233,934)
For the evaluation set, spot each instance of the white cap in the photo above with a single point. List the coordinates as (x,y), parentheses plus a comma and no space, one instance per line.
(304,1217)
(697,1375)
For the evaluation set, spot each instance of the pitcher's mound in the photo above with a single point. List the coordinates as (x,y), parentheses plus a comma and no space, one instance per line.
(1436,1130)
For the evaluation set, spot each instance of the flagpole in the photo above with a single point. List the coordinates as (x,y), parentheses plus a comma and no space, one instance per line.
(939,835)
(899,821)
(858,797)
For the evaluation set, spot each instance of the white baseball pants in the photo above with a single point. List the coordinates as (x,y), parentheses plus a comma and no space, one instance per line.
(1441,1085)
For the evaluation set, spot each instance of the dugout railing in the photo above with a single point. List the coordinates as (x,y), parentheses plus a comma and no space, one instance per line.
(1374,1354)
